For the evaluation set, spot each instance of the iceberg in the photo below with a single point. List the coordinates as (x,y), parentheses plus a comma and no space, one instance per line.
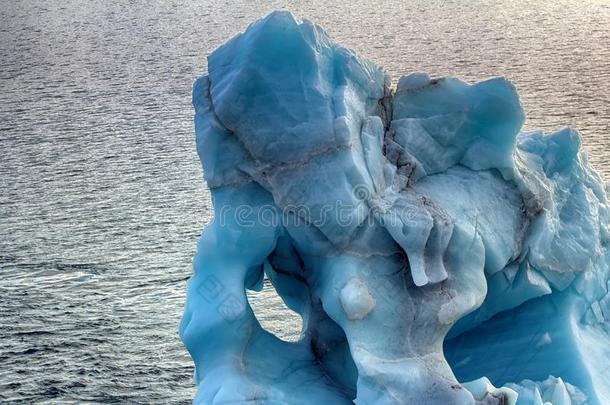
(436,253)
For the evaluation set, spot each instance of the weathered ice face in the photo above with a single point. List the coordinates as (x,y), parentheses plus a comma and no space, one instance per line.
(385,219)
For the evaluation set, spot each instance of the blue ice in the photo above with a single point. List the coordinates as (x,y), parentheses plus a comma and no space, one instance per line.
(436,254)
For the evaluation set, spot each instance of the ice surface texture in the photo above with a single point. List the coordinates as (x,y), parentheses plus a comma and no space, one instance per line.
(424,241)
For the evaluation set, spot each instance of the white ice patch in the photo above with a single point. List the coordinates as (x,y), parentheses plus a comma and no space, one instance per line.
(356,300)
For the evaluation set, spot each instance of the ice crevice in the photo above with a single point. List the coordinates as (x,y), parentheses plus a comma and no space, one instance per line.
(436,253)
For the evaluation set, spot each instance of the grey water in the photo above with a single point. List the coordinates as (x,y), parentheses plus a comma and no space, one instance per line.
(101,192)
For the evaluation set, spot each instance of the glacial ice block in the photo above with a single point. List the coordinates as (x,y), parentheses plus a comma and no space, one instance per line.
(436,254)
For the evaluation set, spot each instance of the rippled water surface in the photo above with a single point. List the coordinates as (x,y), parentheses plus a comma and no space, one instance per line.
(101,199)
